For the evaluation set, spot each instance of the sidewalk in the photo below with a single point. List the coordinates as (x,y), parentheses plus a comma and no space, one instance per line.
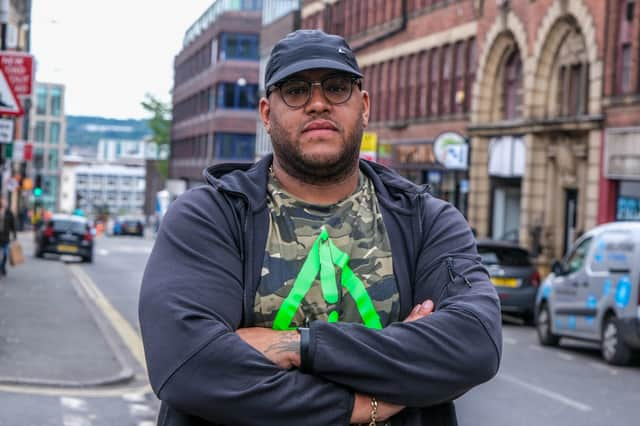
(50,335)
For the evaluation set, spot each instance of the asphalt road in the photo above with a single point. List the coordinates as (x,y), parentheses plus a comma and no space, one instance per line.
(535,385)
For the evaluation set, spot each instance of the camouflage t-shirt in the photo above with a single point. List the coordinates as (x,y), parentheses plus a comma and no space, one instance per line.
(356,228)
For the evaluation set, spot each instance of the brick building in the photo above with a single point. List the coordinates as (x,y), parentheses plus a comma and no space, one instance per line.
(620,184)
(215,93)
(524,82)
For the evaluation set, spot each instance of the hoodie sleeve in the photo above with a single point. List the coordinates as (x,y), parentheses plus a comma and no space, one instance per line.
(190,304)
(434,359)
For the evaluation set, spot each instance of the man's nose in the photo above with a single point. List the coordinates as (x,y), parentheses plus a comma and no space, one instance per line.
(317,100)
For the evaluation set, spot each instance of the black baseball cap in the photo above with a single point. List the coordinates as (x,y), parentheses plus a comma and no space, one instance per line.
(308,49)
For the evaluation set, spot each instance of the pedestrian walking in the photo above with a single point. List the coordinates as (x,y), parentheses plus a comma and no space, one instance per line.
(7,228)
(315,288)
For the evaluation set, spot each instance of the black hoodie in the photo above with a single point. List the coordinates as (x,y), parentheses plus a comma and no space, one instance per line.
(199,287)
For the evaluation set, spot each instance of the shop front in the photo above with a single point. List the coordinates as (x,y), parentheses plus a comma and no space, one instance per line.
(443,164)
(622,165)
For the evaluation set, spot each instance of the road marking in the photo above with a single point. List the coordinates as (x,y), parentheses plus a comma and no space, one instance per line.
(103,252)
(564,356)
(75,404)
(140,410)
(547,393)
(126,332)
(509,340)
(536,348)
(134,397)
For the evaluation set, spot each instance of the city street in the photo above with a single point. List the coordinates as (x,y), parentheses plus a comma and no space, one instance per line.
(536,385)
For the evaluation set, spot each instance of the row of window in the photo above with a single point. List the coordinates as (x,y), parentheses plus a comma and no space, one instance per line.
(111,196)
(109,180)
(40,132)
(429,83)
(51,159)
(219,146)
(48,100)
(350,17)
(223,95)
(225,46)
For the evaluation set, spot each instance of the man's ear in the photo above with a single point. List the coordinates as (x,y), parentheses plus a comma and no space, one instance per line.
(265,109)
(365,108)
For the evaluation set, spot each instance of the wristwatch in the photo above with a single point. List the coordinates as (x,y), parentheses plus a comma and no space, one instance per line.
(304,349)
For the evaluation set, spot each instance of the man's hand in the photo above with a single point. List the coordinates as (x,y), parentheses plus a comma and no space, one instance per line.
(420,311)
(362,410)
(280,347)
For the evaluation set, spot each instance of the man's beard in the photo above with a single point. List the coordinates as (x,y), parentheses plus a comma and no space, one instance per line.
(309,170)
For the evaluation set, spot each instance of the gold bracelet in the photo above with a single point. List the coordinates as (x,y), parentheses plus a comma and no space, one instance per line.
(374,411)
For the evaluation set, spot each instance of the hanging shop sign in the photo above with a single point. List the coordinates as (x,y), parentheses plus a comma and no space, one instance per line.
(452,151)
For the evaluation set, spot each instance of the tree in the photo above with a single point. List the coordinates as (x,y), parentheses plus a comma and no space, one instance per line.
(160,126)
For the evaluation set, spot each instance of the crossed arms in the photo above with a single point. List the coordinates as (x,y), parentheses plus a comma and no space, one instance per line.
(191,308)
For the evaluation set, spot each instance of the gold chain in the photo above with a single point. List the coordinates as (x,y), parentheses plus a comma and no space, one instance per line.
(374,411)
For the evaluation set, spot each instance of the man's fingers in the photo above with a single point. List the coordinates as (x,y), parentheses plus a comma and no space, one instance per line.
(420,311)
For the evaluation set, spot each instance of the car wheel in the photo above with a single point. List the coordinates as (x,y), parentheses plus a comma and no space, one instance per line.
(543,327)
(614,350)
(88,259)
(39,253)
(529,319)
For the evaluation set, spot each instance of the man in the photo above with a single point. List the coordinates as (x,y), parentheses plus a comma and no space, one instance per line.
(314,288)
(7,228)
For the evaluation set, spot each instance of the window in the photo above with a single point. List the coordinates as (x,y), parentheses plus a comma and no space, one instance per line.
(625,72)
(625,36)
(40,131)
(471,72)
(235,146)
(576,258)
(38,158)
(445,82)
(459,72)
(434,75)
(52,159)
(512,87)
(41,100)
(54,132)
(56,101)
(237,96)
(82,179)
(239,46)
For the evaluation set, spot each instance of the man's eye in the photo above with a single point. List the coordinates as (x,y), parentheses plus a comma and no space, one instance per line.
(295,90)
(336,86)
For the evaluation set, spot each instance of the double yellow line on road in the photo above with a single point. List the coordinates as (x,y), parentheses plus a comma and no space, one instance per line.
(126,332)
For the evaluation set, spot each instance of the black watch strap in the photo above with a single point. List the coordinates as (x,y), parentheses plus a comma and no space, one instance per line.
(304,349)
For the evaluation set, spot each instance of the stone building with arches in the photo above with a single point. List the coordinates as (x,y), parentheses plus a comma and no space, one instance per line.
(536,122)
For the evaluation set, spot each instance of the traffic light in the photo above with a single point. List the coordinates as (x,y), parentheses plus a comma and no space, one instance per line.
(37,187)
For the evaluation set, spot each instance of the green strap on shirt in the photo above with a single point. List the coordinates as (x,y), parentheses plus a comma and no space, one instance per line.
(323,257)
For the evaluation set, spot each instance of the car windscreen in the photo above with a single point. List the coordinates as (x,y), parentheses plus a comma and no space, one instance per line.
(505,256)
(69,226)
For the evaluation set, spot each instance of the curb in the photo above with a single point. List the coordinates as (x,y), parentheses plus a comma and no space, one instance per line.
(126,373)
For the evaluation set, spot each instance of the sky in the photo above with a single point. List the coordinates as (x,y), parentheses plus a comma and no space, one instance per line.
(110,53)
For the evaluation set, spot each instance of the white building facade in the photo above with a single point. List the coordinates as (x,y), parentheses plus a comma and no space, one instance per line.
(111,189)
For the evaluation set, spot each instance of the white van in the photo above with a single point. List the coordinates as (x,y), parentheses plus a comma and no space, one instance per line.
(594,292)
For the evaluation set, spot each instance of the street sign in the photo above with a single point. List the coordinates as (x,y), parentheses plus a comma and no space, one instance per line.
(18,68)
(27,153)
(6,130)
(18,150)
(9,103)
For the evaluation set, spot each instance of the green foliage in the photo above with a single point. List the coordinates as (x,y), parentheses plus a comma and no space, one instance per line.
(160,126)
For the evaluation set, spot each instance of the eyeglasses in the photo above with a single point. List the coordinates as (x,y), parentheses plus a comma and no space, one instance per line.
(296,93)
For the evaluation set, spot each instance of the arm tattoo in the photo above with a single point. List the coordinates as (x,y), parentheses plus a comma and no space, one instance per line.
(287,342)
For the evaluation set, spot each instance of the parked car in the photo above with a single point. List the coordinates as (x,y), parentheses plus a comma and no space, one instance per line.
(65,234)
(128,226)
(514,275)
(594,293)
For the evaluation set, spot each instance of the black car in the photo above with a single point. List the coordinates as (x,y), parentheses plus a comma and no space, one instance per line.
(514,275)
(65,234)
(128,226)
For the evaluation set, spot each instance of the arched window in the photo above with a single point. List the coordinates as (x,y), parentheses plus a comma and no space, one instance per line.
(512,87)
